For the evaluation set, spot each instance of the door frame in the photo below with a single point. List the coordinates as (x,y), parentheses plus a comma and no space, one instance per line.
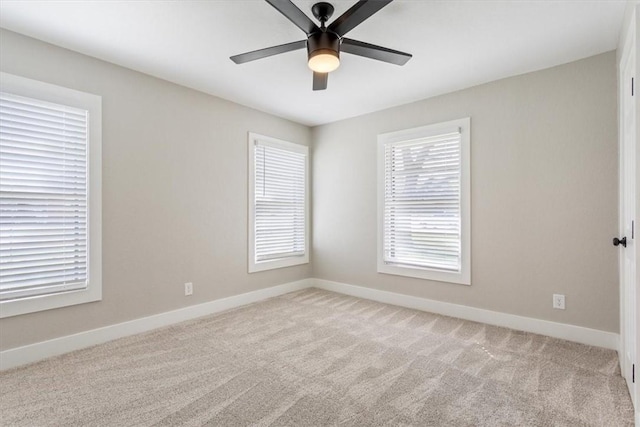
(629,48)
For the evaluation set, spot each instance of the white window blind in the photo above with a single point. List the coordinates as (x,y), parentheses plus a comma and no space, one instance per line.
(422,202)
(279,202)
(43,197)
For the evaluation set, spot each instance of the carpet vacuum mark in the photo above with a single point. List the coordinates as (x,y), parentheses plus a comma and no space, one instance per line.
(317,358)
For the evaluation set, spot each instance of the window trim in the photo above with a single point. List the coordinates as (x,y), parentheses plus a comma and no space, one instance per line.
(464,276)
(93,103)
(254,266)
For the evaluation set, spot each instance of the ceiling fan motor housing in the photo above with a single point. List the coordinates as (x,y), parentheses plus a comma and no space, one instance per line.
(324,42)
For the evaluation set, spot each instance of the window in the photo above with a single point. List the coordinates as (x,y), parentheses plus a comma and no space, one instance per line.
(278,203)
(424,202)
(50,196)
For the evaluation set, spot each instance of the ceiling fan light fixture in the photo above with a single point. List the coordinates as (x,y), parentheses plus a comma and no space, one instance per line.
(324,51)
(324,60)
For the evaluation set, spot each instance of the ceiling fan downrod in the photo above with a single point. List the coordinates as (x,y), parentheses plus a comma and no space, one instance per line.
(322,11)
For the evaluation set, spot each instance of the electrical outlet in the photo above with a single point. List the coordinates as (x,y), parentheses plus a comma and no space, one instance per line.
(188,288)
(558,301)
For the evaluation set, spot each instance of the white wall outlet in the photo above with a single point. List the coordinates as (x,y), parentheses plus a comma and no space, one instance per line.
(558,301)
(188,288)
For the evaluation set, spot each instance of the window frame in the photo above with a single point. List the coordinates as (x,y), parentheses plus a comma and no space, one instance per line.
(257,266)
(464,276)
(25,87)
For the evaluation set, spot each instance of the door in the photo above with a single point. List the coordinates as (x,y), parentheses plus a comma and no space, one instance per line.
(627,215)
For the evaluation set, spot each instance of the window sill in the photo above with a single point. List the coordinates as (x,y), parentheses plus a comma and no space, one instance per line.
(16,307)
(425,273)
(277,263)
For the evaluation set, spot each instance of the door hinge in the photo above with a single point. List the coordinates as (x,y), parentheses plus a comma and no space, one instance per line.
(633,373)
(632,86)
(633,229)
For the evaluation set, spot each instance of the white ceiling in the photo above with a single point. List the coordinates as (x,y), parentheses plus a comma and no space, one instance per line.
(455,44)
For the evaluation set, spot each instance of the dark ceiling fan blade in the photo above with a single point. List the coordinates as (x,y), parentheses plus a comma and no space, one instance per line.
(295,15)
(269,51)
(372,51)
(356,15)
(320,80)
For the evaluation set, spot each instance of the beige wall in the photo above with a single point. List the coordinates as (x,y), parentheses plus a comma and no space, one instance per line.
(544,194)
(174,192)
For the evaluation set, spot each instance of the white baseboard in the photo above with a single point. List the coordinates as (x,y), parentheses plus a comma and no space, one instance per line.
(38,351)
(543,327)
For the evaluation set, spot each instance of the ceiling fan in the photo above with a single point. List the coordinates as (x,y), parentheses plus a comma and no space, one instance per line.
(325,43)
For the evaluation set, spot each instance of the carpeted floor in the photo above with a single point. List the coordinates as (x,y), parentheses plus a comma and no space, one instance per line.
(315,358)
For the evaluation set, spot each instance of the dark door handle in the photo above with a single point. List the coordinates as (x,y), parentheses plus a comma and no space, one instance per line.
(622,241)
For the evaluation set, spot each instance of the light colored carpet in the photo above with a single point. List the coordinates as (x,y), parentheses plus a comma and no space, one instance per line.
(315,358)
